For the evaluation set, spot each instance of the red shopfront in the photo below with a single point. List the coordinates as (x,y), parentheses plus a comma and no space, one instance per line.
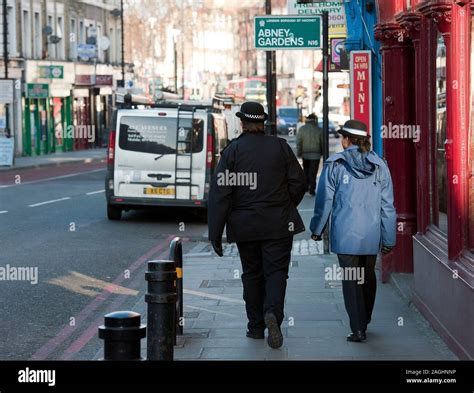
(431,89)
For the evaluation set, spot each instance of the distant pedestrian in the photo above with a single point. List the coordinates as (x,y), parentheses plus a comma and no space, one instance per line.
(255,192)
(356,191)
(309,146)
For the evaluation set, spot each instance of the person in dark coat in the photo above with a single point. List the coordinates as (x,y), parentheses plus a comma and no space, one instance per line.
(254,193)
(356,193)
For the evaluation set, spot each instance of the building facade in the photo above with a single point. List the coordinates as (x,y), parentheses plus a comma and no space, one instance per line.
(66,58)
(427,73)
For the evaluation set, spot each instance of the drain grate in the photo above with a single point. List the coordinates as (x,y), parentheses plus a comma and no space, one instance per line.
(221,284)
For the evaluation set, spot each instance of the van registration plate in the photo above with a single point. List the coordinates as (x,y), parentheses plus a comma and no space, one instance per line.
(158,191)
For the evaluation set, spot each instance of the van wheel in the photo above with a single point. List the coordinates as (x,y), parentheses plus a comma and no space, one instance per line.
(114,213)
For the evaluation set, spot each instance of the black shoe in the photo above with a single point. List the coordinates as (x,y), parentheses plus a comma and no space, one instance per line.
(256,335)
(312,193)
(357,337)
(275,338)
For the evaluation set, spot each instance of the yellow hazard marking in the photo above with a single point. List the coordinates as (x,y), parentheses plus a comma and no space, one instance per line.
(179,272)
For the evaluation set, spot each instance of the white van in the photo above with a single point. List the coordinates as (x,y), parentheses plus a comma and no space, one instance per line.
(164,156)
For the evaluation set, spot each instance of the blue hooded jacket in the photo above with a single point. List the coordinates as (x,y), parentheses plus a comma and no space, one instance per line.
(356,191)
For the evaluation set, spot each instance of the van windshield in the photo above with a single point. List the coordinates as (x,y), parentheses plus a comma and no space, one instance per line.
(159,135)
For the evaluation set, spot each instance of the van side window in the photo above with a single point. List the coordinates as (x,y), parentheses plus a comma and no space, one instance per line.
(159,136)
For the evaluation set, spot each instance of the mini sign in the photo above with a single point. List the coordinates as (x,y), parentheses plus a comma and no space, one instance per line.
(51,72)
(6,151)
(361,85)
(288,32)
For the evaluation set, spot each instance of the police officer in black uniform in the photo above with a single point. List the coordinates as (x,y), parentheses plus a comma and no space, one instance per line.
(254,193)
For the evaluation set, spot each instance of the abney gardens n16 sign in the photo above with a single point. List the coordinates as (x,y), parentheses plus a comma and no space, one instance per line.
(288,32)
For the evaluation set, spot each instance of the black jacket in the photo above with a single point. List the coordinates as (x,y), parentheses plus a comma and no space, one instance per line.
(269,210)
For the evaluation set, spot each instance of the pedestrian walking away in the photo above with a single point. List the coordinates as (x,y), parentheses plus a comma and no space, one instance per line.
(254,193)
(356,191)
(309,146)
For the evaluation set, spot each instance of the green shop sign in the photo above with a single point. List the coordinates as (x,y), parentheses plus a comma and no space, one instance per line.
(37,90)
(51,72)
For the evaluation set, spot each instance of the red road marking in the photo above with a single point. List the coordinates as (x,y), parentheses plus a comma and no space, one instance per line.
(53,344)
(9,178)
(91,331)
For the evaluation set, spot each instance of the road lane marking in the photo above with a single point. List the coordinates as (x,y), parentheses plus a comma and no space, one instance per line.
(52,178)
(215,297)
(50,202)
(95,192)
(4,212)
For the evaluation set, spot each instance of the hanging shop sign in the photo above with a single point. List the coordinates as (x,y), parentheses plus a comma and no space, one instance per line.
(37,90)
(361,86)
(94,80)
(336,10)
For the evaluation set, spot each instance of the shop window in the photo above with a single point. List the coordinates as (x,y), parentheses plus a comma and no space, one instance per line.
(440,200)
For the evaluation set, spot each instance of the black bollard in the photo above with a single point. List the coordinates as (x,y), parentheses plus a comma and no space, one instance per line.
(176,255)
(122,332)
(161,299)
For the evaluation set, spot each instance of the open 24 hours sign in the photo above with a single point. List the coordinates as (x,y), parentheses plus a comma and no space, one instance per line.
(288,32)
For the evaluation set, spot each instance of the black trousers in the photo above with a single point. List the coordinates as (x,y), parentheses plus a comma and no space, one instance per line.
(265,267)
(359,299)
(311,168)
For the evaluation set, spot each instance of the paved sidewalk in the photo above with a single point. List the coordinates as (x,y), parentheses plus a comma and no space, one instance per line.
(316,323)
(57,159)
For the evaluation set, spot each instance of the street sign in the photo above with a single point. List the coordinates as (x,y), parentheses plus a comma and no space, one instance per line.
(288,32)
(336,10)
(361,86)
(37,90)
(86,52)
(6,91)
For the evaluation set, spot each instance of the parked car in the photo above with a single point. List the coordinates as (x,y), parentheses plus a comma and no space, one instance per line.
(287,119)
(333,127)
(163,156)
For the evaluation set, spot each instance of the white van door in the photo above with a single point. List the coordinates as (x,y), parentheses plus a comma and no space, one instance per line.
(158,159)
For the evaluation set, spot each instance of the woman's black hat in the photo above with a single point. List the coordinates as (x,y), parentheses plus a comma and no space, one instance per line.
(252,112)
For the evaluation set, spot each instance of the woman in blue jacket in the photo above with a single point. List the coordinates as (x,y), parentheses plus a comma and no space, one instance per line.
(356,191)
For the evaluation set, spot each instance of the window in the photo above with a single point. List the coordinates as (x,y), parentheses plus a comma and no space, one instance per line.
(73,40)
(26,34)
(112,52)
(158,136)
(12,49)
(51,46)
(82,33)
(37,36)
(439,216)
(100,52)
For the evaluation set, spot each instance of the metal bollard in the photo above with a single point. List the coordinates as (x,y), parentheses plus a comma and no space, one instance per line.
(161,299)
(176,255)
(122,332)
